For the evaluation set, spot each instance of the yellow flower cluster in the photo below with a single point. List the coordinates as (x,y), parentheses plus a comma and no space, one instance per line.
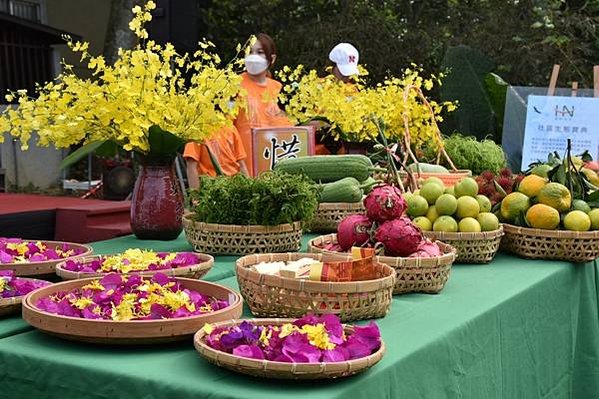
(354,110)
(187,95)
(134,259)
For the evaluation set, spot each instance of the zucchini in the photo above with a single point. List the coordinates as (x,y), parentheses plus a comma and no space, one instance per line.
(328,168)
(345,190)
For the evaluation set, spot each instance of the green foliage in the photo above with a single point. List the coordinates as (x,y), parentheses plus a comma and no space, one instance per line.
(465,83)
(270,199)
(478,156)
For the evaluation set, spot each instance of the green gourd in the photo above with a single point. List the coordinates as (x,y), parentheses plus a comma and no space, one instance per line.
(328,168)
(345,190)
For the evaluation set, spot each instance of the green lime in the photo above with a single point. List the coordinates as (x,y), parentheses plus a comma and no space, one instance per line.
(417,205)
(431,192)
(580,205)
(577,221)
(466,187)
(467,207)
(435,180)
(541,170)
(488,221)
(594,216)
(450,190)
(446,204)
(484,203)
(445,223)
(423,223)
(432,213)
(469,225)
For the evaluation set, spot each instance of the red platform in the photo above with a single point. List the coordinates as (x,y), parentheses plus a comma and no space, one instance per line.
(73,219)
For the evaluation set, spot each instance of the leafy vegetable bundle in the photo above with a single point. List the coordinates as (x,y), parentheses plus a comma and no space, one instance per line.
(270,199)
(469,153)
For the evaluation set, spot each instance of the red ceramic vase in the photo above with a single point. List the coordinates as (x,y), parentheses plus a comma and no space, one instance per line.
(157,204)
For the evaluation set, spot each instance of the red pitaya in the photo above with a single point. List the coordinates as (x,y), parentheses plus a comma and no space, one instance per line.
(400,237)
(385,203)
(427,249)
(354,230)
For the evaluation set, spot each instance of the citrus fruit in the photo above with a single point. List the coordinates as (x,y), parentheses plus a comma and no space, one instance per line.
(450,190)
(484,203)
(513,204)
(541,170)
(467,207)
(594,216)
(577,221)
(531,185)
(417,205)
(417,192)
(488,221)
(432,213)
(466,187)
(435,180)
(446,204)
(580,205)
(469,225)
(445,223)
(555,195)
(431,192)
(541,216)
(423,223)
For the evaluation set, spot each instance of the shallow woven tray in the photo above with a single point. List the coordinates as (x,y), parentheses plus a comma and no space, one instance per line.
(471,247)
(222,239)
(449,179)
(283,370)
(274,296)
(427,275)
(128,332)
(12,305)
(329,214)
(46,267)
(195,271)
(572,246)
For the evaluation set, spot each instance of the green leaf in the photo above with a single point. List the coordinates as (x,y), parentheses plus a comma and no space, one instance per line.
(81,153)
(593,197)
(162,142)
(108,149)
(215,163)
(466,84)
(496,89)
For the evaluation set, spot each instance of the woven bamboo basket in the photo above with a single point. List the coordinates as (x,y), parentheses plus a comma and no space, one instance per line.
(46,267)
(471,247)
(572,246)
(329,214)
(274,296)
(222,239)
(427,275)
(283,370)
(195,271)
(128,332)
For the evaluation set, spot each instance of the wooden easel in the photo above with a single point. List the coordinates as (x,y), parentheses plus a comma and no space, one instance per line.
(555,74)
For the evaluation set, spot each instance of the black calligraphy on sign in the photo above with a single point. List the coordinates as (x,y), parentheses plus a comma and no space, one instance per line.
(283,150)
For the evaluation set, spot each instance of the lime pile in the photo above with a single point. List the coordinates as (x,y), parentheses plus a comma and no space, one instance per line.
(547,205)
(456,209)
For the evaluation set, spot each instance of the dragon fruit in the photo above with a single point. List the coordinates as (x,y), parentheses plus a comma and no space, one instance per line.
(354,230)
(385,203)
(400,237)
(427,249)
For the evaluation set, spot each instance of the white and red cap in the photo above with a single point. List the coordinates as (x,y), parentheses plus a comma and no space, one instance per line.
(346,57)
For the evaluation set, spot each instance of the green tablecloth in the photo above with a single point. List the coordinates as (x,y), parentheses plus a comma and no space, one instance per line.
(512,329)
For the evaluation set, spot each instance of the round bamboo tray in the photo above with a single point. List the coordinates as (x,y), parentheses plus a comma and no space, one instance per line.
(427,275)
(471,247)
(329,214)
(223,239)
(128,332)
(283,370)
(195,271)
(572,246)
(45,267)
(275,296)
(12,305)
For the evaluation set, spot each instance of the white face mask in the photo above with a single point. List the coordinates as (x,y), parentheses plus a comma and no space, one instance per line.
(255,64)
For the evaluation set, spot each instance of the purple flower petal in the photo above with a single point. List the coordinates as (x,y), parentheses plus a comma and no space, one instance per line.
(111,281)
(250,351)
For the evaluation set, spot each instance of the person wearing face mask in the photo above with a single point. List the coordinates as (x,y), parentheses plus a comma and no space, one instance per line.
(260,102)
